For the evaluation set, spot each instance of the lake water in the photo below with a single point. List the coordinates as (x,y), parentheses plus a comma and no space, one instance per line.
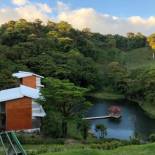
(133,121)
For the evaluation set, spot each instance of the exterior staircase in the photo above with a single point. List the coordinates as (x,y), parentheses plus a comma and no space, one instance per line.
(11,144)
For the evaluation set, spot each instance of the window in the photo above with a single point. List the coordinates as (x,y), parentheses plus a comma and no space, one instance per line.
(2,107)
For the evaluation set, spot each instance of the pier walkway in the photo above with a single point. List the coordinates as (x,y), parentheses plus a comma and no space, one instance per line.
(103,117)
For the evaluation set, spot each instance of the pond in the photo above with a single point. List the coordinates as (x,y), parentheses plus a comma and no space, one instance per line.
(133,121)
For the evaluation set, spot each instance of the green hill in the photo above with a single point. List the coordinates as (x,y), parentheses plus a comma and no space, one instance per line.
(139,58)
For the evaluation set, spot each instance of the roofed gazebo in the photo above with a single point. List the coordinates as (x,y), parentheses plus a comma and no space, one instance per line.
(114,110)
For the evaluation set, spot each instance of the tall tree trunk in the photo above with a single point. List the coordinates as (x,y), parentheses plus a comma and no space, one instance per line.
(85,133)
(64,128)
(153,56)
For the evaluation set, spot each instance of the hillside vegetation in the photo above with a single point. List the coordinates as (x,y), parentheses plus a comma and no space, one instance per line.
(76,64)
(139,58)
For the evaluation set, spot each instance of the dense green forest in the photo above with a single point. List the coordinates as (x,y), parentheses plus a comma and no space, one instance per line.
(75,64)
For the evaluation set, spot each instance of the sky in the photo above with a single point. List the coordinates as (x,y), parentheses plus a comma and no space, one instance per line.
(103,16)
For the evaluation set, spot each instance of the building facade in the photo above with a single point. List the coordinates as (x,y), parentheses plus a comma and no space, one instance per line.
(18,107)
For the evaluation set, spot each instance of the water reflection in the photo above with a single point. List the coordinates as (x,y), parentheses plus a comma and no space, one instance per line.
(133,120)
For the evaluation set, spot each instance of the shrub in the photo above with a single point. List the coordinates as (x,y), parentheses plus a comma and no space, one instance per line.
(41,149)
(152,138)
(106,145)
(37,139)
(135,141)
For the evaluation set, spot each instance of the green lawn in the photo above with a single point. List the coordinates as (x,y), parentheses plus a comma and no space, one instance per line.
(149,109)
(81,149)
(106,95)
(148,149)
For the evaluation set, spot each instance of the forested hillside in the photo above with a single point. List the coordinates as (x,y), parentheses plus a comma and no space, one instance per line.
(58,50)
(88,62)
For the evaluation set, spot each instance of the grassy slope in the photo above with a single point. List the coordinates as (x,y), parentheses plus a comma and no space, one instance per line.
(149,109)
(139,58)
(148,149)
(106,95)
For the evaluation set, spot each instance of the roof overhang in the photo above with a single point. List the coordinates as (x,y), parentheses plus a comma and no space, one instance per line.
(22,74)
(19,92)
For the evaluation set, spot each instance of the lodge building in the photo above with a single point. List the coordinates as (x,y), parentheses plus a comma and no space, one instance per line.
(18,107)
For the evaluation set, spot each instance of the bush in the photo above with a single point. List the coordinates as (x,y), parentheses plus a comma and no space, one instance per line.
(135,141)
(152,138)
(107,145)
(37,139)
(41,149)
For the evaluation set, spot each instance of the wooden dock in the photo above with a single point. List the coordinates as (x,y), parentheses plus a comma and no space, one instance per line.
(103,117)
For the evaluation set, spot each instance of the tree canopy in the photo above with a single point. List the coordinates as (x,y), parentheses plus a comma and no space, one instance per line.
(65,98)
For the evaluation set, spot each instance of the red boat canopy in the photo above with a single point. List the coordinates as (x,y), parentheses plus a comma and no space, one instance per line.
(115,109)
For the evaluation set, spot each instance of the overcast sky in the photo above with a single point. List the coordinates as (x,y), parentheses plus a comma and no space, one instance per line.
(104,16)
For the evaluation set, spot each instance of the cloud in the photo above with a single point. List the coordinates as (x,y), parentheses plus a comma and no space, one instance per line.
(44,7)
(29,11)
(19,2)
(62,7)
(137,20)
(7,14)
(107,24)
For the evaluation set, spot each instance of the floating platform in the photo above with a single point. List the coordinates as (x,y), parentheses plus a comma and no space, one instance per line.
(103,117)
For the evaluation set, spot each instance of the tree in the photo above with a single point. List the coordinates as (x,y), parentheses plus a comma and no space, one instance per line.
(121,42)
(64,27)
(65,98)
(135,40)
(84,71)
(110,41)
(130,35)
(6,80)
(86,30)
(102,130)
(51,25)
(117,76)
(51,125)
(151,41)
(84,127)
(42,64)
(53,34)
